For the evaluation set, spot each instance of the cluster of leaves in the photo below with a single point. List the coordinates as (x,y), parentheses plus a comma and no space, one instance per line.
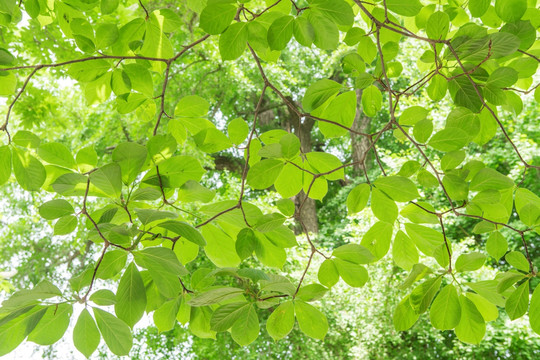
(469,55)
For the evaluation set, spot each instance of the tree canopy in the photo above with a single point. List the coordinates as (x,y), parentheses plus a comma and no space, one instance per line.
(188,153)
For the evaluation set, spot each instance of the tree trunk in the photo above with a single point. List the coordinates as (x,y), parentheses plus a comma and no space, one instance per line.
(360,144)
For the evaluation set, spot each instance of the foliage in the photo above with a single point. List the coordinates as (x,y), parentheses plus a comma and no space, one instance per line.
(178,242)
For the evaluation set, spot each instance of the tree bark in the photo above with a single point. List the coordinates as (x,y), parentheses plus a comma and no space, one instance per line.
(360,144)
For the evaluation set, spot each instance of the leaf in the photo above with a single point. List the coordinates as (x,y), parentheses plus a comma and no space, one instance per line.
(215,296)
(280,32)
(281,321)
(232,42)
(377,239)
(437,25)
(437,88)
(28,170)
(246,329)
(131,158)
(471,328)
(371,101)
(52,325)
(5,164)
(534,311)
(489,179)
(227,315)
(113,262)
(328,273)
(449,140)
(419,213)
(130,296)
(56,153)
(246,242)
(357,254)
(404,315)
(115,332)
(86,336)
(470,262)
(423,294)
(263,174)
(108,179)
(185,230)
(311,321)
(478,8)
(26,139)
(496,245)
(303,31)
(510,10)
(318,93)
(65,225)
(103,297)
(404,251)
(425,239)
(517,302)
(165,315)
(518,260)
(358,198)
(404,7)
(55,209)
(338,10)
(399,188)
(353,274)
(445,311)
(238,130)
(311,292)
(384,208)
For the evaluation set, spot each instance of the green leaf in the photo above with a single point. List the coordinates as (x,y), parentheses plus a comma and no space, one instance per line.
(130,296)
(103,297)
(423,294)
(437,25)
(232,42)
(471,327)
(115,332)
(246,329)
(478,8)
(238,131)
(534,311)
(399,188)
(318,93)
(5,164)
(527,206)
(86,159)
(263,174)
(328,273)
(425,239)
(384,208)
(338,10)
(215,296)
(216,17)
(246,242)
(65,225)
(470,262)
(354,253)
(377,239)
(227,315)
(55,209)
(404,251)
(280,32)
(487,309)
(490,179)
(502,77)
(445,311)
(353,274)
(449,139)
(303,31)
(311,292)
(290,146)
(422,130)
(185,230)
(165,315)
(437,88)
(112,264)
(404,7)
(418,213)
(404,315)
(131,158)
(358,198)
(164,268)
(517,302)
(518,260)
(326,31)
(28,170)
(52,325)
(56,153)
(510,10)
(281,321)
(311,321)
(371,101)
(108,179)
(496,245)
(86,336)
